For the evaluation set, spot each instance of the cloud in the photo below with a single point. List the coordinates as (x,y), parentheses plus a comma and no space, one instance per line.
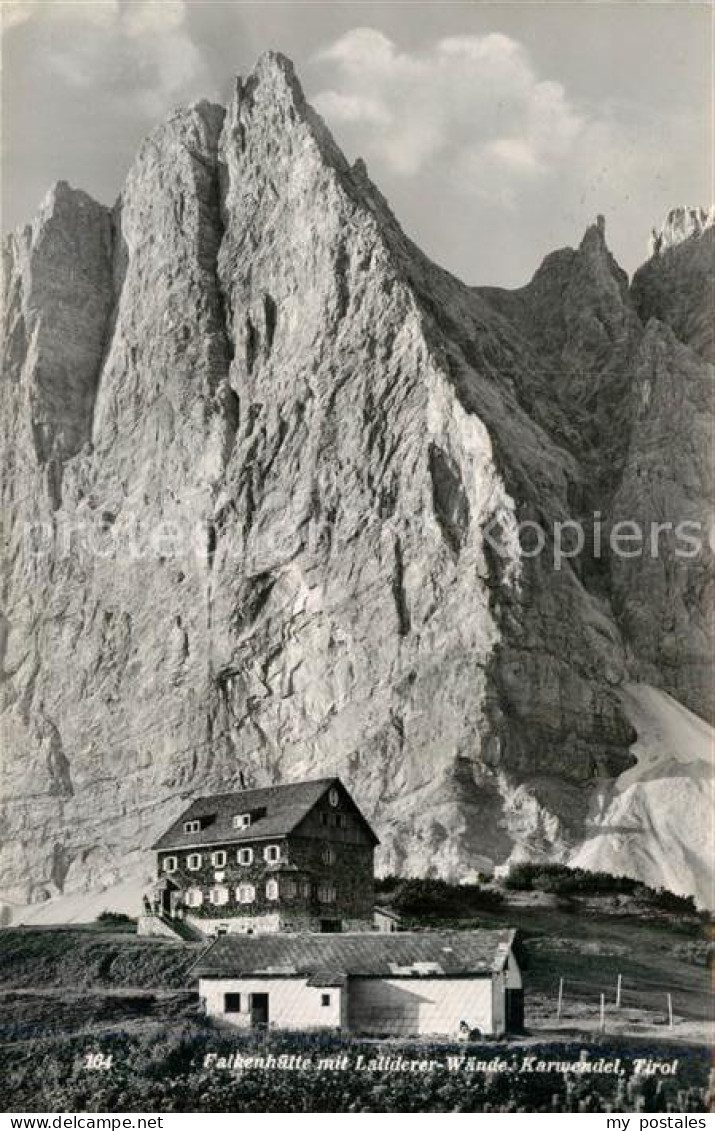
(490,162)
(471,103)
(15,12)
(143,49)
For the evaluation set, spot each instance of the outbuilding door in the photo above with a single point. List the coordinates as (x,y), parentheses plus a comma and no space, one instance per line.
(331,926)
(514,1011)
(259,1010)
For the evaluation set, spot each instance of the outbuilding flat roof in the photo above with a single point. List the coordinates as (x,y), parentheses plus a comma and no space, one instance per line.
(366,954)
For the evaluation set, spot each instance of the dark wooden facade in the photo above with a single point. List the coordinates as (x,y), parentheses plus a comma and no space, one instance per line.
(311,865)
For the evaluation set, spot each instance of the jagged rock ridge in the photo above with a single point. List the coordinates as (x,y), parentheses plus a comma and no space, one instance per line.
(680,224)
(263,470)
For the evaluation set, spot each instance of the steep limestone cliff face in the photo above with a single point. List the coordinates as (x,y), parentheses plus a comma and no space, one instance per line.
(665,598)
(264,468)
(373,541)
(105,697)
(56,302)
(677,286)
(578,318)
(630,370)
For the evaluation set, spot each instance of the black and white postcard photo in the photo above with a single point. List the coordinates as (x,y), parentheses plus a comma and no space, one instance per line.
(357,562)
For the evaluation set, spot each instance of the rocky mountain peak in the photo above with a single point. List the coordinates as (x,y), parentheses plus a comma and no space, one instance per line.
(61,194)
(595,235)
(272,86)
(597,260)
(577,313)
(682,223)
(276,73)
(270,102)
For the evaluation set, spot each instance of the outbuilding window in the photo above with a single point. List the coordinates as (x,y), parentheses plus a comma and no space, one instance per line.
(272,853)
(169,863)
(245,856)
(325,999)
(193,862)
(232,1003)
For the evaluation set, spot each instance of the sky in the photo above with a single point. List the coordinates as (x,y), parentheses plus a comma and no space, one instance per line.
(497,131)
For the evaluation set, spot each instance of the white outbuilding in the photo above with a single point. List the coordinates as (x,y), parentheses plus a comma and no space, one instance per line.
(437,983)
